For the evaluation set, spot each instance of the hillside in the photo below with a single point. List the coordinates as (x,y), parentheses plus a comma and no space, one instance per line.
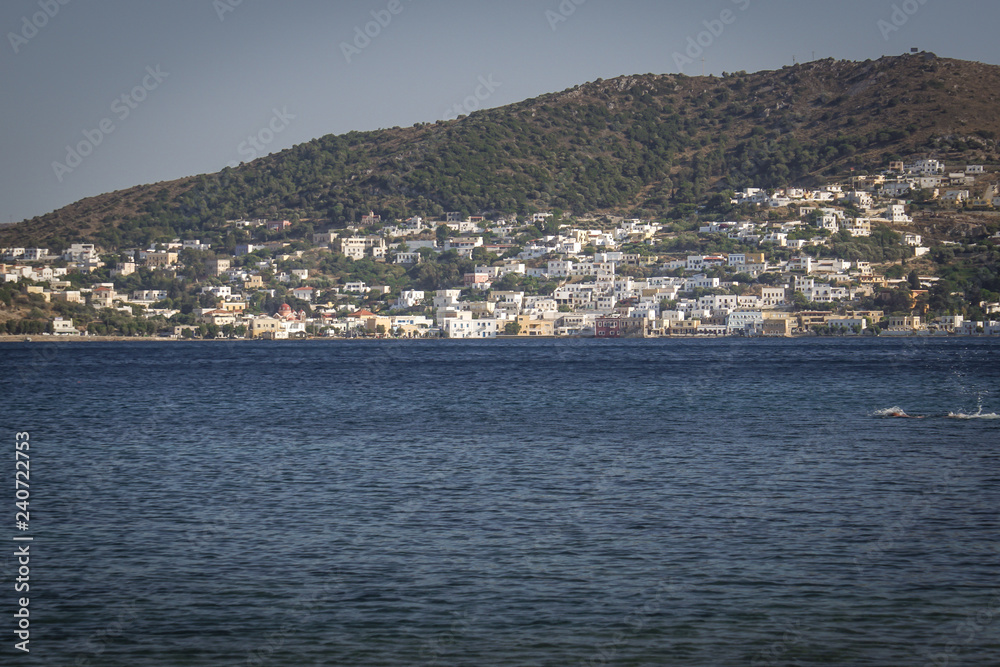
(646,145)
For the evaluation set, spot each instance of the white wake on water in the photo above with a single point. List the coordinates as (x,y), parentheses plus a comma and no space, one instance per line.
(978,414)
(894,411)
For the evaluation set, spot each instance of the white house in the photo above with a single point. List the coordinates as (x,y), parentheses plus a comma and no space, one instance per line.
(929,182)
(802,263)
(560,269)
(80,252)
(447,298)
(246,248)
(955,196)
(409,298)
(896,189)
(737,320)
(463,245)
(829,222)
(857,226)
(464,325)
(860,199)
(222,291)
(716,302)
(772,296)
(897,213)
(848,322)
(406,258)
(951,322)
(35,254)
(701,281)
(694,262)
(927,167)
(62,327)
(304,293)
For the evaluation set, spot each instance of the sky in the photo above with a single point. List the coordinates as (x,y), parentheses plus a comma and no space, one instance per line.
(101,95)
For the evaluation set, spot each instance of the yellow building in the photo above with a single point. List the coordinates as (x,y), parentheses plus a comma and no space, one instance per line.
(904,322)
(103,297)
(69,296)
(873,280)
(372,324)
(777,327)
(218,317)
(266,327)
(530,327)
(683,327)
(811,318)
(218,265)
(161,259)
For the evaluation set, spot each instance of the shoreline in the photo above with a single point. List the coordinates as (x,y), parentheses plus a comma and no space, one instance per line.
(50,338)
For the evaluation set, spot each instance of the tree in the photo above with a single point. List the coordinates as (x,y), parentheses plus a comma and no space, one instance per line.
(509,282)
(898,301)
(895,272)
(480,254)
(913,279)
(512,329)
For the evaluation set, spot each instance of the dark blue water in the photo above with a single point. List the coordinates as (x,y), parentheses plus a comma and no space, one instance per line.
(548,502)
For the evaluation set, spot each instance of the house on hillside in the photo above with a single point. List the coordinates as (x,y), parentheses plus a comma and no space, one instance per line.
(304,293)
(955,196)
(63,327)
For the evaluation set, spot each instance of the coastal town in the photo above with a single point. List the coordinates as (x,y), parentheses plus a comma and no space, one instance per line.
(835,260)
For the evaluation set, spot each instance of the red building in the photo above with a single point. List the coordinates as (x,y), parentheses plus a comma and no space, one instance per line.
(609,327)
(616,326)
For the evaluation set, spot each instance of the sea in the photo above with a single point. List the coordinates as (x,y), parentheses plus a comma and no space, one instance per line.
(821,501)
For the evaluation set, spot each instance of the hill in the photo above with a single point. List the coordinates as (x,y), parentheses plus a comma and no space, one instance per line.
(646,145)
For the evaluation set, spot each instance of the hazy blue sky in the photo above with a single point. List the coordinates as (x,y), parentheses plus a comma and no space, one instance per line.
(199,77)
